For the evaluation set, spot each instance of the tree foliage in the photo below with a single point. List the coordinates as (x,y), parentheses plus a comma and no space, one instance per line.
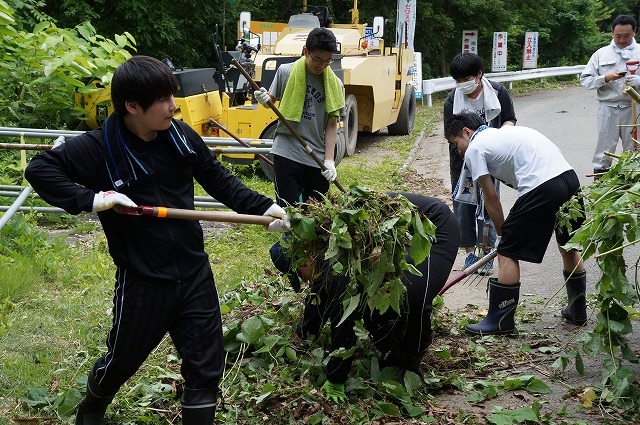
(570,30)
(42,67)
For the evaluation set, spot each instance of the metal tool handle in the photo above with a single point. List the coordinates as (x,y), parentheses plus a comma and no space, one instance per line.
(469,270)
(215,123)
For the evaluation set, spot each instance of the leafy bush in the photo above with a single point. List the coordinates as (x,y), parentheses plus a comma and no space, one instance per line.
(41,69)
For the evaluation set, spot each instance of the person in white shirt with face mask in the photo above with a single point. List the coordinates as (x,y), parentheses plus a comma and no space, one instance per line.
(490,101)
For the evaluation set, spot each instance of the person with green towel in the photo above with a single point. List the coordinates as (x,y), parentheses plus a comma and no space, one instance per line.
(311,99)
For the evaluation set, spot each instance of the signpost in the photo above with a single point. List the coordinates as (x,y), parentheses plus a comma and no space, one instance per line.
(470,41)
(416,80)
(499,63)
(530,52)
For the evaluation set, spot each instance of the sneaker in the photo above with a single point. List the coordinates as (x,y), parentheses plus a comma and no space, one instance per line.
(471,259)
(486,270)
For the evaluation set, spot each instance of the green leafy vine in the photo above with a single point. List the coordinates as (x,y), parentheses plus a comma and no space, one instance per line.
(611,227)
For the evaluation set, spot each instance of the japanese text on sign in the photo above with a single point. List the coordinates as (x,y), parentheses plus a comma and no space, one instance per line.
(530,52)
(499,62)
(470,41)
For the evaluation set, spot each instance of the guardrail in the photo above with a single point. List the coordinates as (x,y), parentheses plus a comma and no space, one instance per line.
(436,85)
(22,193)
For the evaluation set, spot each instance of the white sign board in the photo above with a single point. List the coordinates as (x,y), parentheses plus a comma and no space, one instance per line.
(499,62)
(372,42)
(530,52)
(470,41)
(416,80)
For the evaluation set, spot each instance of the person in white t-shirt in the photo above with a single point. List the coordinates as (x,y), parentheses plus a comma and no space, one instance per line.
(527,161)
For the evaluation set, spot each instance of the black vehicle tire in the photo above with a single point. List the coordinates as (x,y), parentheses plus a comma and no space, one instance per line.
(351,124)
(270,132)
(404,125)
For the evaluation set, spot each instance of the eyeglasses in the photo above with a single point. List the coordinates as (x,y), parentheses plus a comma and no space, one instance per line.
(319,61)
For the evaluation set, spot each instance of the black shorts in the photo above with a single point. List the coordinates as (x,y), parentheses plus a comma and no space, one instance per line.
(527,230)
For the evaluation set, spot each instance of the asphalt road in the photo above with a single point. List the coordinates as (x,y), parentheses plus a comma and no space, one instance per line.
(567,117)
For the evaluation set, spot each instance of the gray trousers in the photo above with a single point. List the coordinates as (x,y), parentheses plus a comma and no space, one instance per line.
(609,133)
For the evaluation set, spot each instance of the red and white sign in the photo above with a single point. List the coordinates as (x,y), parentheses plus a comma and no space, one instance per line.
(499,62)
(406,23)
(470,41)
(530,52)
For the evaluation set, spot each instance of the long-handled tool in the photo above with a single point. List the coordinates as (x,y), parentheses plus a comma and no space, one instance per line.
(163,212)
(286,123)
(215,123)
(632,67)
(469,270)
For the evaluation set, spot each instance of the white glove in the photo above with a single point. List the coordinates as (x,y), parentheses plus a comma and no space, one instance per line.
(632,80)
(58,142)
(262,96)
(282,224)
(105,200)
(330,173)
(498,238)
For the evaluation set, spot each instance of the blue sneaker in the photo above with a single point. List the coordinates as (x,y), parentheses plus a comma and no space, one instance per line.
(471,259)
(486,270)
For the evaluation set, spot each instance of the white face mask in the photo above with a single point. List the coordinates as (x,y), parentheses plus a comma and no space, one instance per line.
(467,87)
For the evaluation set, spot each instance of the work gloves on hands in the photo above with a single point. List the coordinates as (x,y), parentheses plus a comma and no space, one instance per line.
(282,223)
(330,173)
(58,142)
(105,200)
(334,392)
(632,80)
(262,96)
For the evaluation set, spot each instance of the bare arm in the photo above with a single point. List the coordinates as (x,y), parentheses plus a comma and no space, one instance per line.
(330,138)
(492,202)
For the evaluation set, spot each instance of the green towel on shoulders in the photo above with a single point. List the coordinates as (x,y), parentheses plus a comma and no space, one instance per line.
(294,93)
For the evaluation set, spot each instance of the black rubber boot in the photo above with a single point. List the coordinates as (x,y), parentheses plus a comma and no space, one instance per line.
(410,362)
(575,311)
(198,406)
(92,408)
(503,300)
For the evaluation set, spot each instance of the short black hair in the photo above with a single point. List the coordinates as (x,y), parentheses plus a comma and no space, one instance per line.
(321,39)
(141,79)
(459,121)
(624,20)
(465,65)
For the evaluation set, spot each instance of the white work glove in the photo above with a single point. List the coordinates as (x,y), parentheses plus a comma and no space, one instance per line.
(58,142)
(330,173)
(632,80)
(262,96)
(105,200)
(282,224)
(498,238)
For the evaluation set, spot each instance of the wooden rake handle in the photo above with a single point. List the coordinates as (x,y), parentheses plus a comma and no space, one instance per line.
(286,123)
(163,212)
(215,123)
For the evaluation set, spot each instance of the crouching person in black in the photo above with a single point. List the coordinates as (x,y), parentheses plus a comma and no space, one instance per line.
(402,339)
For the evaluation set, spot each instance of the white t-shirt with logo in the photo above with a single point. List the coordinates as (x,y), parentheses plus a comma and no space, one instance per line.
(520,157)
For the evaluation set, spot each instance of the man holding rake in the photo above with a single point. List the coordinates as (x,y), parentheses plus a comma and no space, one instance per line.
(528,162)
